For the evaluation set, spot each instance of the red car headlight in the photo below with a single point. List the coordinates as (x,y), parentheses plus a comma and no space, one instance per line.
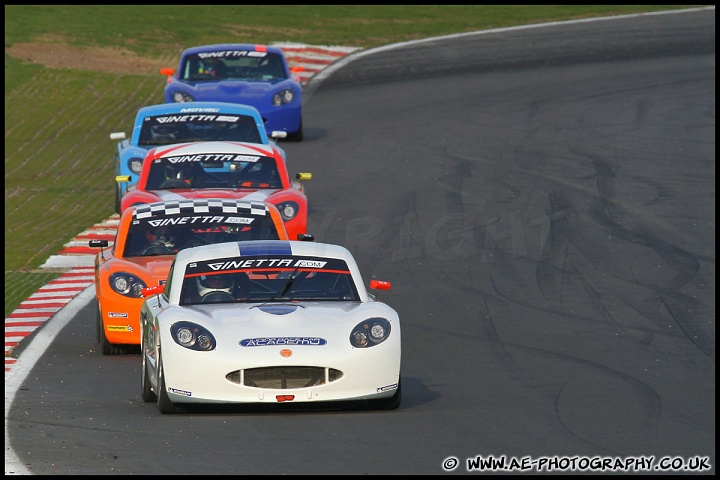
(288,210)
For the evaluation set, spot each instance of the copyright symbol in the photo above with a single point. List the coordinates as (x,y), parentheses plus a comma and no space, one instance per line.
(450,463)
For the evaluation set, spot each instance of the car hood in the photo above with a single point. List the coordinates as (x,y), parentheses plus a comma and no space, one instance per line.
(156,267)
(315,319)
(240,87)
(254,93)
(247,194)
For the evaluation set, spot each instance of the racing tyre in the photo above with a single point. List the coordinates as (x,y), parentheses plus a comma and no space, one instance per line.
(164,404)
(98,322)
(117,201)
(147,394)
(391,403)
(297,136)
(106,347)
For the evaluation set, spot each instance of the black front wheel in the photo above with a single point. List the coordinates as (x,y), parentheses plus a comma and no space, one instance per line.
(164,404)
(117,201)
(297,136)
(147,393)
(391,403)
(106,347)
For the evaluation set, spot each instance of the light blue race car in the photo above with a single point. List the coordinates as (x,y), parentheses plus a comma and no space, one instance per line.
(256,75)
(170,123)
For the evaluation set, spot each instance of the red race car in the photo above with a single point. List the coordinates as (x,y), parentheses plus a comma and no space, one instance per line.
(222,170)
(147,239)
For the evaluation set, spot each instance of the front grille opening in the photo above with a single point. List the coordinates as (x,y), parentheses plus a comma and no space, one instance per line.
(284,377)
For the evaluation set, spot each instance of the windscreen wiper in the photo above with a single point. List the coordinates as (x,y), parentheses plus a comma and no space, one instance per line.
(287,286)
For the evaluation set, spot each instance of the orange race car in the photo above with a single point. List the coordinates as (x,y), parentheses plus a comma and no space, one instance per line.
(147,239)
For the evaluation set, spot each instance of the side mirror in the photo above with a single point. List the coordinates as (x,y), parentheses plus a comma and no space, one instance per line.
(169,72)
(149,291)
(278,134)
(117,136)
(98,243)
(303,176)
(379,285)
(122,178)
(305,237)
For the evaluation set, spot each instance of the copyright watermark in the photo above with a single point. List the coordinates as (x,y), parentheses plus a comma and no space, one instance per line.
(579,464)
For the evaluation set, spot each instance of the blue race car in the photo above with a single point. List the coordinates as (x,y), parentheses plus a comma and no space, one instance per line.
(170,123)
(256,75)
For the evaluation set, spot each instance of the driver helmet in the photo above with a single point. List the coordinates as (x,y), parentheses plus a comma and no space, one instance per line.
(173,171)
(160,235)
(214,283)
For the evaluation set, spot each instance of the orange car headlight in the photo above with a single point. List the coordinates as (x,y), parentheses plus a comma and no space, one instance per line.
(127,284)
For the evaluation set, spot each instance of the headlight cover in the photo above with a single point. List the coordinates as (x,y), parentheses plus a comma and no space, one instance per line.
(283,97)
(193,336)
(370,332)
(135,165)
(182,97)
(127,284)
(288,210)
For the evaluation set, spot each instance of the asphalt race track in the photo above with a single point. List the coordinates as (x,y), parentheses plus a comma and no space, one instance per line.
(542,200)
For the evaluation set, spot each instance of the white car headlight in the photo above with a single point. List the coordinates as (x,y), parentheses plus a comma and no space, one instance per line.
(370,332)
(193,336)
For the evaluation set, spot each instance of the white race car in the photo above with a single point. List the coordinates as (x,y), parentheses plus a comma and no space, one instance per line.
(268,321)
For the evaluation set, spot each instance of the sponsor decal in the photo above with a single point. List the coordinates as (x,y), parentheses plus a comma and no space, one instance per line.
(186,118)
(386,388)
(231,54)
(252,263)
(309,264)
(119,328)
(227,118)
(212,157)
(283,341)
(286,353)
(266,263)
(186,220)
(242,220)
(190,220)
(117,315)
(180,392)
(204,109)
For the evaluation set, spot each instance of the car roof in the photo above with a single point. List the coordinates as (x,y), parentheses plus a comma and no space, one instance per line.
(197,205)
(265,247)
(232,46)
(195,148)
(196,107)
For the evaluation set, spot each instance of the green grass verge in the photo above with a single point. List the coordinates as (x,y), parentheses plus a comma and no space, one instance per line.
(20,285)
(58,155)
